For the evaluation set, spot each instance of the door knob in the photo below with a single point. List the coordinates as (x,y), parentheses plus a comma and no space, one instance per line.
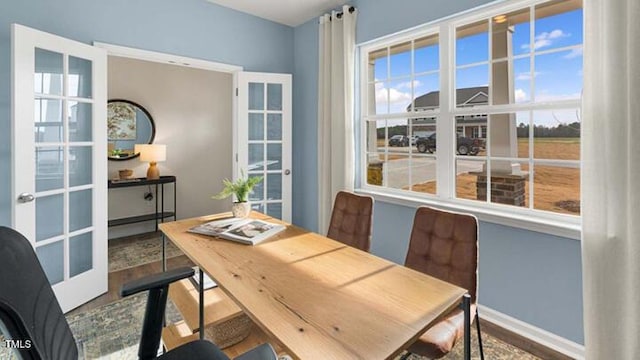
(287,172)
(25,198)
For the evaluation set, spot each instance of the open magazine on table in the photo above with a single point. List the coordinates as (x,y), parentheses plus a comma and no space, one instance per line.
(246,231)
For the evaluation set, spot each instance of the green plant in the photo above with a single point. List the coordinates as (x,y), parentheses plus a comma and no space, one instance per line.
(241,188)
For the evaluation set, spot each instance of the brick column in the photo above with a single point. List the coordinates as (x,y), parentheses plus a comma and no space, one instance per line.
(505,188)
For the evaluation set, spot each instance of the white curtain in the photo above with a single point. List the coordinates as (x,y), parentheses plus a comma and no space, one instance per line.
(611,179)
(335,109)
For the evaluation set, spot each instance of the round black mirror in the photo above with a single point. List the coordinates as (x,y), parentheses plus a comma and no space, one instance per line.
(128,124)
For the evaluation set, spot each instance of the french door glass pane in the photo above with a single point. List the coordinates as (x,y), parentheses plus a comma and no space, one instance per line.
(274,127)
(258,190)
(274,186)
(256,157)
(51,258)
(49,216)
(256,126)
(274,96)
(275,210)
(256,96)
(80,209)
(274,156)
(258,207)
(80,80)
(79,121)
(48,72)
(48,120)
(49,168)
(80,165)
(80,254)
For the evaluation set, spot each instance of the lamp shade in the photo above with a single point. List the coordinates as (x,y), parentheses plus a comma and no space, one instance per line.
(151,152)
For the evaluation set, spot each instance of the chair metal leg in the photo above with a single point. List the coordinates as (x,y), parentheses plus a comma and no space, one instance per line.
(479,335)
(405,356)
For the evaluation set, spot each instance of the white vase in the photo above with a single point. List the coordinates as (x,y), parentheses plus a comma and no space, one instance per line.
(241,209)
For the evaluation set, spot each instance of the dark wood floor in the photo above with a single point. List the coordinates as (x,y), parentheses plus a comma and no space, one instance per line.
(117,278)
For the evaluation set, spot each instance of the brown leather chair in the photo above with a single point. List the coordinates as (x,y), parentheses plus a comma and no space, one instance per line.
(351,220)
(445,245)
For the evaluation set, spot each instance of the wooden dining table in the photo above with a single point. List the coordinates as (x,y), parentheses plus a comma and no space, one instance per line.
(320,298)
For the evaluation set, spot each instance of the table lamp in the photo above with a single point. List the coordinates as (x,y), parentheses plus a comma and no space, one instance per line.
(152,153)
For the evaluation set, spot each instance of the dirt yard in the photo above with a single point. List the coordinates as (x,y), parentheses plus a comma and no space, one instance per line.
(555,188)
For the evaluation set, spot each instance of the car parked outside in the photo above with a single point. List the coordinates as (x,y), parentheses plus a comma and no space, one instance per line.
(464,145)
(398,140)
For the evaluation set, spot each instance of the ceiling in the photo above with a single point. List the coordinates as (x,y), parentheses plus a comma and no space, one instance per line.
(287,12)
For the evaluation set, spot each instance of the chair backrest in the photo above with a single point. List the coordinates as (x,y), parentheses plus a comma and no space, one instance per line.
(351,220)
(445,245)
(29,309)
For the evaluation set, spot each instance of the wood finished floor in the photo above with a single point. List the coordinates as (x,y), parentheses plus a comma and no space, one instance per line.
(117,278)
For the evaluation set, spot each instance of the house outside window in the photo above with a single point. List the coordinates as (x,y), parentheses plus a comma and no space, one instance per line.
(493,97)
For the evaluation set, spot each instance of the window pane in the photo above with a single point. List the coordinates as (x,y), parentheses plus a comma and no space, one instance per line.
(556,134)
(48,121)
(274,126)
(556,188)
(470,173)
(472,43)
(274,96)
(80,165)
(258,189)
(559,76)
(256,96)
(274,156)
(274,186)
(256,126)
(397,171)
(558,24)
(378,65)
(51,258)
(423,174)
(466,144)
(80,81)
(80,254)
(426,56)
(256,157)
(49,168)
(48,72)
(80,209)
(503,129)
(472,86)
(522,81)
(400,60)
(376,135)
(426,92)
(80,128)
(400,95)
(274,210)
(375,165)
(49,216)
(380,98)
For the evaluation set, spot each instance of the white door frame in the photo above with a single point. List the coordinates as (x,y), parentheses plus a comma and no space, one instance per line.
(177,60)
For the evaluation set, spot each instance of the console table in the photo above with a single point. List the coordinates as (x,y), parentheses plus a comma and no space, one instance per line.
(160,213)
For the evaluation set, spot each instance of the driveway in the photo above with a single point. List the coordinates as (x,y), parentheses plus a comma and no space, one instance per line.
(423,169)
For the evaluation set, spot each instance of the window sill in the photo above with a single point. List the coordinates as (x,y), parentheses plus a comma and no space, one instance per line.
(566,226)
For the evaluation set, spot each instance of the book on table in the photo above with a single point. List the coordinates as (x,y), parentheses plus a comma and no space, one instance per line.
(245,231)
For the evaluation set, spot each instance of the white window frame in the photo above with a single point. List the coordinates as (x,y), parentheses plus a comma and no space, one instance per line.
(526,218)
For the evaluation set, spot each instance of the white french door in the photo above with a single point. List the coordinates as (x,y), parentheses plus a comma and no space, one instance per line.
(263,139)
(59,159)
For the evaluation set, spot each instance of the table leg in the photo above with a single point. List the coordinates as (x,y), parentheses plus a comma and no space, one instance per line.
(164,253)
(466,306)
(201,305)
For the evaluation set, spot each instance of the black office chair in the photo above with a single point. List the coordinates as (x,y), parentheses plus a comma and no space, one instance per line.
(29,310)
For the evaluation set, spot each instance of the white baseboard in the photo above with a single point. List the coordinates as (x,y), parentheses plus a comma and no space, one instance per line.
(533,333)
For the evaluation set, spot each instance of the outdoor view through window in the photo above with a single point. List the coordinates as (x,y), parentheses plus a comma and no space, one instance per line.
(510,102)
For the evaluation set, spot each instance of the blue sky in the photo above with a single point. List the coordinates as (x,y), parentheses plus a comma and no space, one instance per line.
(558,75)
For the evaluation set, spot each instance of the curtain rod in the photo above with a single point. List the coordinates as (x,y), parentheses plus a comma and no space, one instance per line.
(339,15)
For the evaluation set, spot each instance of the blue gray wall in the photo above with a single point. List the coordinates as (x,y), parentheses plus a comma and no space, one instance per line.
(194,28)
(530,276)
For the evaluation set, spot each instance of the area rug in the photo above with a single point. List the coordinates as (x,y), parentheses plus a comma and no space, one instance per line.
(138,250)
(112,331)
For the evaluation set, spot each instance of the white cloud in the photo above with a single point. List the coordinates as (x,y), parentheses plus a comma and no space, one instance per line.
(546,39)
(394,95)
(544,95)
(407,84)
(573,54)
(526,76)
(521,95)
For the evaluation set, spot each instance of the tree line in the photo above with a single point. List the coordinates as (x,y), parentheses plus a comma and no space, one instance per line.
(562,130)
